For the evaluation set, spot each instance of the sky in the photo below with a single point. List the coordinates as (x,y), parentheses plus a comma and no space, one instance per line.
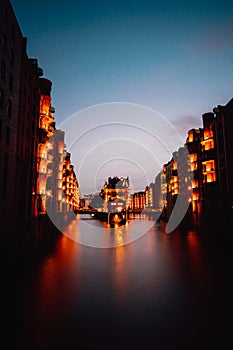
(175,57)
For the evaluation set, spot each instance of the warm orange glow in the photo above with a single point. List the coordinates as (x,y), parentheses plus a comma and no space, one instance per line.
(190,136)
(195,196)
(211,177)
(194,166)
(208,166)
(194,183)
(209,144)
(208,170)
(45,102)
(193,157)
(208,133)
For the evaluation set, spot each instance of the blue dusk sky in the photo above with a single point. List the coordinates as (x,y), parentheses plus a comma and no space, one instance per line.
(175,57)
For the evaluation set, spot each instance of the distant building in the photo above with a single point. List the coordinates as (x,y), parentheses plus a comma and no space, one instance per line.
(116,189)
(138,201)
(70,186)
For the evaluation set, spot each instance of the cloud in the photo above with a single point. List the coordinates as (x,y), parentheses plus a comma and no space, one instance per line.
(214,40)
(185,123)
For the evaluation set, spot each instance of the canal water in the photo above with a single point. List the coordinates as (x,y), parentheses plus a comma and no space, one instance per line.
(153,290)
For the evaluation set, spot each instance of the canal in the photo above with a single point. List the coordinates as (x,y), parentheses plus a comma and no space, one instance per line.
(153,290)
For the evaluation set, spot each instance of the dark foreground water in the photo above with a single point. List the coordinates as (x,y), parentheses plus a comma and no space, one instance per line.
(162,291)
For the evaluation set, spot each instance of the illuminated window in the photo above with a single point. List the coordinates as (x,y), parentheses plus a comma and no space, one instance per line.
(190,136)
(194,166)
(208,145)
(193,157)
(194,183)
(208,133)
(195,196)
(211,177)
(209,171)
(208,166)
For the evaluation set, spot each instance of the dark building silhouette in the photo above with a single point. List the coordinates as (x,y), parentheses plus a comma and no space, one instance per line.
(26,155)
(12,51)
(223,130)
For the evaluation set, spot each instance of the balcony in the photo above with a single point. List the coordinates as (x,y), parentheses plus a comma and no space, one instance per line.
(51,127)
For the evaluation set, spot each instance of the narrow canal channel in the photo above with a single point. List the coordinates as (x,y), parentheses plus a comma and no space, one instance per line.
(158,291)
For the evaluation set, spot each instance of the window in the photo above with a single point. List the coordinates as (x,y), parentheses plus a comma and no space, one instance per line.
(209,145)
(193,157)
(208,166)
(8,109)
(208,169)
(194,166)
(211,177)
(194,183)
(3,70)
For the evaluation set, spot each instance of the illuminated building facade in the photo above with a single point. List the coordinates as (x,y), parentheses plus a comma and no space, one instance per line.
(29,177)
(200,173)
(70,186)
(138,201)
(45,148)
(116,189)
(18,130)
(172,183)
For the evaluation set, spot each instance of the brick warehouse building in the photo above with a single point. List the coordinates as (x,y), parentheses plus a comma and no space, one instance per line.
(19,132)
(12,50)
(26,123)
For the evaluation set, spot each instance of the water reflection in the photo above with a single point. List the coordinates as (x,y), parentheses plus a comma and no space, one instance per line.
(162,287)
(93,233)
